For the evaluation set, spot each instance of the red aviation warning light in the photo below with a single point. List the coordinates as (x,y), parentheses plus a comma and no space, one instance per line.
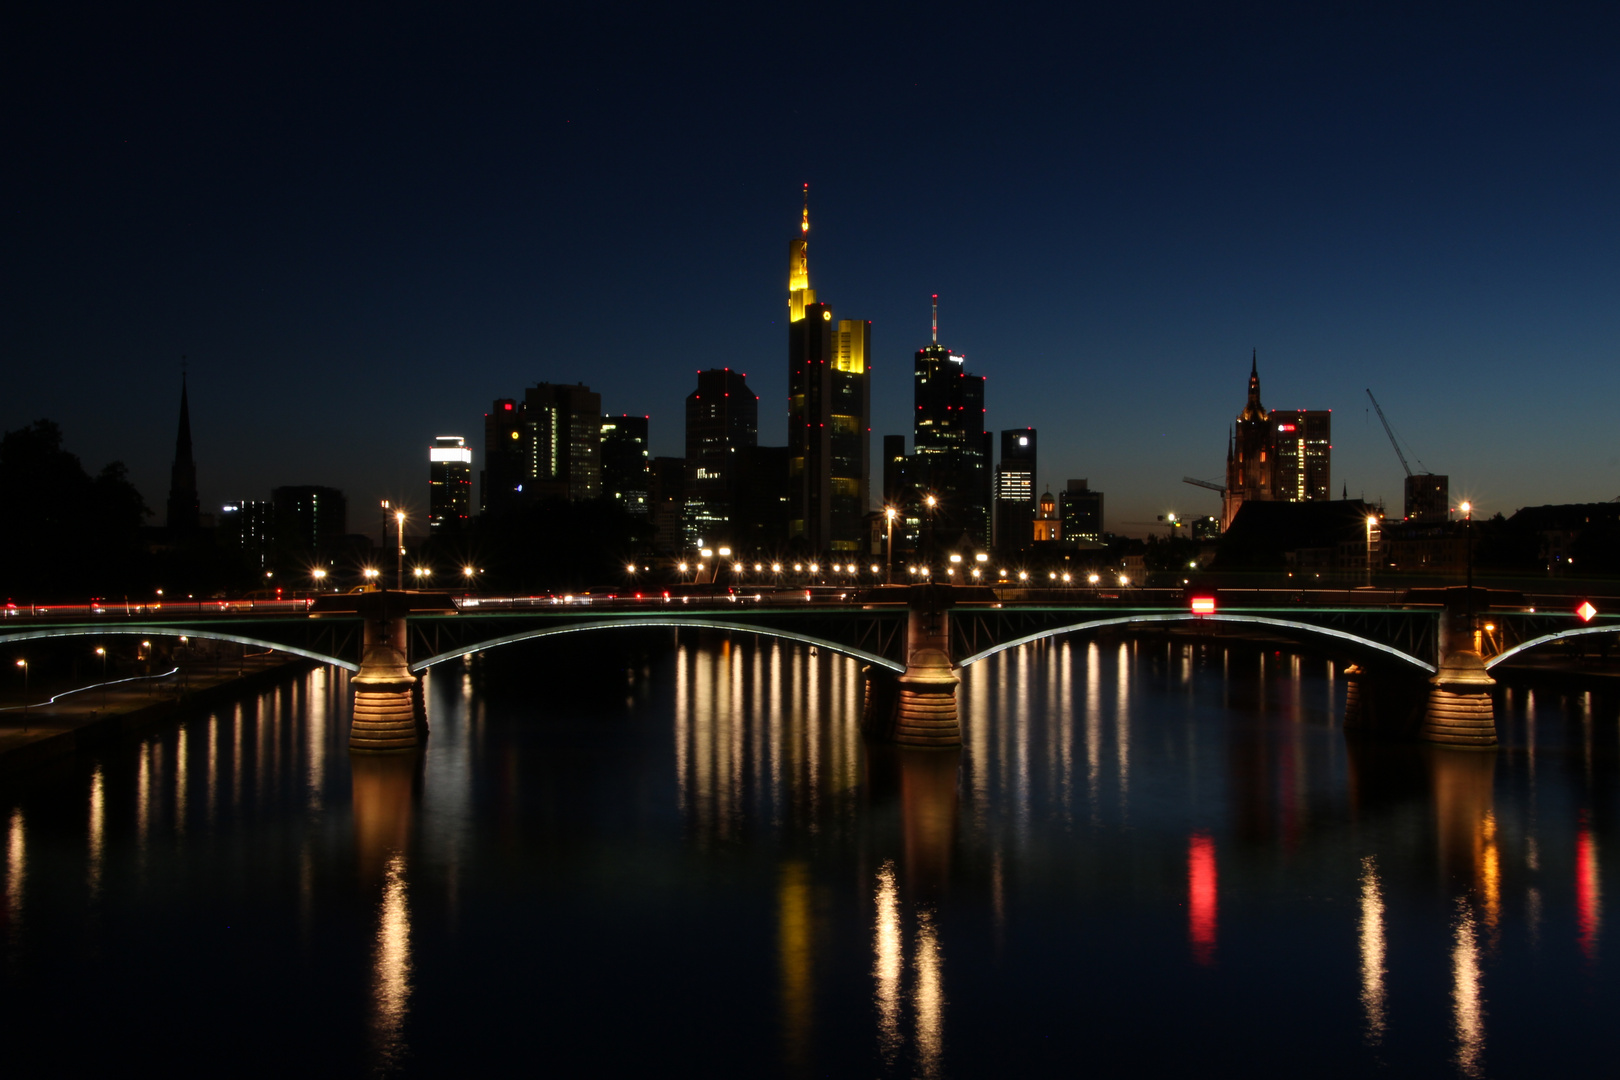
(1203,605)
(1586,611)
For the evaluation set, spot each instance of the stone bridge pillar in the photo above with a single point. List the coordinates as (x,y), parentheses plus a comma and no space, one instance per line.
(919,707)
(385,703)
(1460,710)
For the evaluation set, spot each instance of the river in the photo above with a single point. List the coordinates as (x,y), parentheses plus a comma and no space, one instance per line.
(651,853)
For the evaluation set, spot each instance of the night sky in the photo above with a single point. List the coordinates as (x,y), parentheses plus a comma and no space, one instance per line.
(363,226)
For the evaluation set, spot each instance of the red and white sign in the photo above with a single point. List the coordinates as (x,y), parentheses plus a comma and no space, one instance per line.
(1586,611)
(1203,605)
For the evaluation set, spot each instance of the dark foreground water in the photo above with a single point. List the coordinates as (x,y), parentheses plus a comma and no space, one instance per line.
(649,855)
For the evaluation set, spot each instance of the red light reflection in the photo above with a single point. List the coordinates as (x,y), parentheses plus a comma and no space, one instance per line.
(1201,897)
(1588,898)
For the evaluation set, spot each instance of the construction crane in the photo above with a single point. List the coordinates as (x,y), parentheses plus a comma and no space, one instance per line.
(1427,494)
(1396,442)
(1217,488)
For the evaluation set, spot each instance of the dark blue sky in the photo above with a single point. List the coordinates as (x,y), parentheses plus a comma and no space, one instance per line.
(363,226)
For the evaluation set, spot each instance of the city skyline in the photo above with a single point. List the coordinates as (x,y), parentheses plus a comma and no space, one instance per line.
(1399,201)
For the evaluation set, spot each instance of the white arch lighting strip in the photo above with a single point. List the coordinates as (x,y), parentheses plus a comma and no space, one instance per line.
(1189,617)
(126,630)
(705,624)
(1544,638)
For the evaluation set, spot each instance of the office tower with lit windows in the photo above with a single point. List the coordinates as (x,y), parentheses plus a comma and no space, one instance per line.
(310,523)
(829,407)
(249,526)
(949,443)
(626,463)
(722,423)
(449,483)
(1303,443)
(1015,490)
(547,446)
(562,443)
(1080,512)
(502,475)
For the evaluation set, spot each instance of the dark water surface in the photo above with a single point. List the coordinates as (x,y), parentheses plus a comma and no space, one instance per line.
(650,854)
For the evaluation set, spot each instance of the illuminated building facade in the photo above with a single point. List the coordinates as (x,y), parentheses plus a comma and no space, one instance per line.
(1015,490)
(449,482)
(249,525)
(183,513)
(1277,456)
(950,445)
(1080,509)
(502,475)
(722,423)
(547,446)
(829,409)
(1048,527)
(310,522)
(1303,442)
(626,463)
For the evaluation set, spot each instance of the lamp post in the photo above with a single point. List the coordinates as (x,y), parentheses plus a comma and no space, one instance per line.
(24,665)
(1372,524)
(890,513)
(930,502)
(399,558)
(101,651)
(1468,559)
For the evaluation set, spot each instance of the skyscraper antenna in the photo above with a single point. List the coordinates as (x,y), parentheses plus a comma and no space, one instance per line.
(804,226)
(936,318)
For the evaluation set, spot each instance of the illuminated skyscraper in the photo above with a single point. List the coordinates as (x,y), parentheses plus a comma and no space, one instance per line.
(829,406)
(449,482)
(949,442)
(722,422)
(1080,510)
(1015,490)
(626,477)
(548,446)
(1303,441)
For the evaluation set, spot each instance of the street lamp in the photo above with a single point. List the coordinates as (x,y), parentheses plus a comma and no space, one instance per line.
(1372,524)
(319,575)
(1468,556)
(101,651)
(930,502)
(890,513)
(24,665)
(399,558)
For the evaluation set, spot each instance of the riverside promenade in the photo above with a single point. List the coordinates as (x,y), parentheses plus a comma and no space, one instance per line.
(83,716)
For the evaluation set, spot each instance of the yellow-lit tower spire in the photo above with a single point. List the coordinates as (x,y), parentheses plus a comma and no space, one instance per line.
(799,291)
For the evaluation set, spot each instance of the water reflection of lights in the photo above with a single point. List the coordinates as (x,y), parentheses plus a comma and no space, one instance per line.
(1202,897)
(1372,951)
(16,870)
(929,998)
(1490,872)
(1588,893)
(795,955)
(98,820)
(886,963)
(391,970)
(1467,997)
(767,739)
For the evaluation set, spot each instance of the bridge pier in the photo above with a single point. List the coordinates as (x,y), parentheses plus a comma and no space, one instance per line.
(386,716)
(918,707)
(1460,710)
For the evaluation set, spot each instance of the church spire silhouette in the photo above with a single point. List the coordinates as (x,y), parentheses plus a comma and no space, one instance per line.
(183,514)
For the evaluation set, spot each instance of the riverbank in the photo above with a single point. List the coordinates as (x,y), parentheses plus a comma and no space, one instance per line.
(98,715)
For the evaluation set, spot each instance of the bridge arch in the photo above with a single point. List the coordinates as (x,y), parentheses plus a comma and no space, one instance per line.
(1184,617)
(1524,646)
(678,623)
(168,630)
